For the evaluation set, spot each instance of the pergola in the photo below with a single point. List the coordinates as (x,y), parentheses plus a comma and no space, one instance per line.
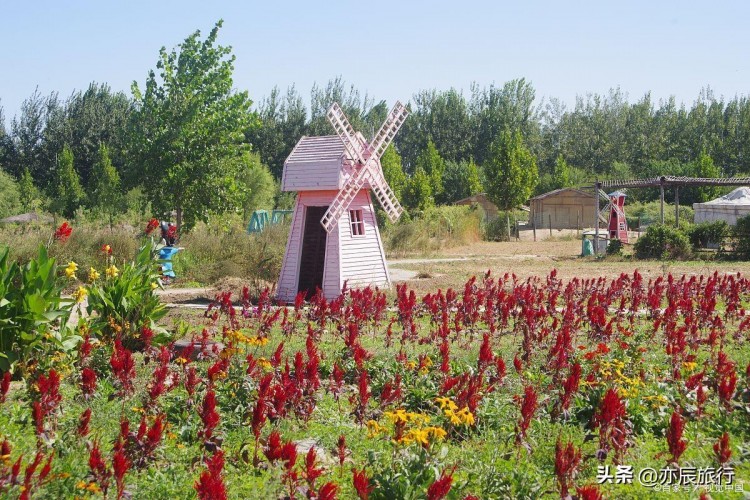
(662,182)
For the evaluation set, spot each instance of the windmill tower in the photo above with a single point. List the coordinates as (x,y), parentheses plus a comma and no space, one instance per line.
(618,226)
(334,236)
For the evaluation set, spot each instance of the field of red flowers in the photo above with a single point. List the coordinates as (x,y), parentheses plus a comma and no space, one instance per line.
(506,388)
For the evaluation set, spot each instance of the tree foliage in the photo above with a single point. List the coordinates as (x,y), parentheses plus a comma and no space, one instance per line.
(393,171)
(188,122)
(511,171)
(68,195)
(105,190)
(417,193)
(10,198)
(461,180)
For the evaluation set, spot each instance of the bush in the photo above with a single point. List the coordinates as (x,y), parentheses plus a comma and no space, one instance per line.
(662,242)
(438,227)
(124,300)
(650,213)
(32,313)
(705,233)
(10,197)
(614,247)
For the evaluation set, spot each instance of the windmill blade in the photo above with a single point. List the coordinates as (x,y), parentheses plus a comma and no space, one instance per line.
(344,198)
(346,133)
(388,130)
(383,192)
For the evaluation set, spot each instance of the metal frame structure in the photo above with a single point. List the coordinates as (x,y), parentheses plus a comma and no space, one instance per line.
(662,182)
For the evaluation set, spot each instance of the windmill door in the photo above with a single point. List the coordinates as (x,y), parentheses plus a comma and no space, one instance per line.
(312,261)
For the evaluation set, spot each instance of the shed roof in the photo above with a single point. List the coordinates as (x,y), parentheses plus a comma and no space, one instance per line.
(319,148)
(561,191)
(738,197)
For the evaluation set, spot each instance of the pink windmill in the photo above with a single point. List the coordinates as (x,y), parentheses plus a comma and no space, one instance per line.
(618,225)
(334,236)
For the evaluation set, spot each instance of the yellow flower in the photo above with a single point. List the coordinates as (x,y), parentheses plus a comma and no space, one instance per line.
(397,416)
(446,402)
(454,418)
(467,418)
(419,435)
(154,286)
(424,370)
(180,361)
(112,271)
(80,294)
(93,274)
(265,364)
(437,432)
(374,429)
(690,365)
(70,271)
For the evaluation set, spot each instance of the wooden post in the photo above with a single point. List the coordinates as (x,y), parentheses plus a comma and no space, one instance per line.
(549,218)
(533,226)
(597,187)
(661,198)
(676,207)
(578,223)
(518,233)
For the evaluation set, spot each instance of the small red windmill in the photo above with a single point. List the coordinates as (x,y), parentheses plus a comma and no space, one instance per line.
(618,226)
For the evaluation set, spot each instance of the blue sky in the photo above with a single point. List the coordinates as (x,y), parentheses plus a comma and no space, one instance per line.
(389,49)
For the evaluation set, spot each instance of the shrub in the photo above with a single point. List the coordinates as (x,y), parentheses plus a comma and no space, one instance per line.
(650,213)
(705,233)
(437,227)
(742,237)
(30,308)
(614,247)
(662,242)
(124,300)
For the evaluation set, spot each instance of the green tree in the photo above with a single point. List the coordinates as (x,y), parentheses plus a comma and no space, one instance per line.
(392,171)
(417,193)
(257,184)
(10,198)
(28,192)
(187,123)
(69,195)
(461,180)
(433,165)
(105,190)
(511,171)
(561,173)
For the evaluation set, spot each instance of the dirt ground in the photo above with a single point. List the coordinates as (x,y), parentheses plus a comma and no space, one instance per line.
(528,258)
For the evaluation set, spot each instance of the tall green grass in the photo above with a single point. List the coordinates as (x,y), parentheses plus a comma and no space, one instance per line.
(436,228)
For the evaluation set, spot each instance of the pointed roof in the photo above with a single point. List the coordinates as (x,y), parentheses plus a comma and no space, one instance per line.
(319,148)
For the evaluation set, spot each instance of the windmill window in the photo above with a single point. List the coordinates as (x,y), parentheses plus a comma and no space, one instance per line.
(357,222)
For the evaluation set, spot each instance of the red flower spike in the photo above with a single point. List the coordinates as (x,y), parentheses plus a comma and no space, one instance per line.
(567,461)
(328,491)
(83,423)
(4,386)
(341,449)
(210,485)
(209,415)
(589,492)
(152,224)
(63,232)
(441,487)
(362,484)
(120,466)
(676,444)
(722,449)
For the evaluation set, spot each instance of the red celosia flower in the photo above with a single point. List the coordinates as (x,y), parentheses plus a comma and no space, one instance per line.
(63,232)
(528,408)
(107,249)
(210,485)
(98,468)
(209,415)
(152,224)
(589,492)
(722,449)
(441,487)
(328,491)
(676,444)
(120,465)
(486,357)
(4,386)
(312,473)
(289,455)
(49,399)
(123,367)
(726,388)
(362,484)
(567,461)
(83,423)
(610,418)
(88,382)
(517,364)
(273,447)
(341,449)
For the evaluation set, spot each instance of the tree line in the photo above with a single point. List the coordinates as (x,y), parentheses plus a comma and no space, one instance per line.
(191,143)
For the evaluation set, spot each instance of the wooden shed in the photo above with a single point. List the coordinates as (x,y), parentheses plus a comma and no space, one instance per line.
(480,200)
(566,208)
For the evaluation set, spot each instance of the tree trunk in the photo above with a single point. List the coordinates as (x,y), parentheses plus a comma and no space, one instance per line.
(179,219)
